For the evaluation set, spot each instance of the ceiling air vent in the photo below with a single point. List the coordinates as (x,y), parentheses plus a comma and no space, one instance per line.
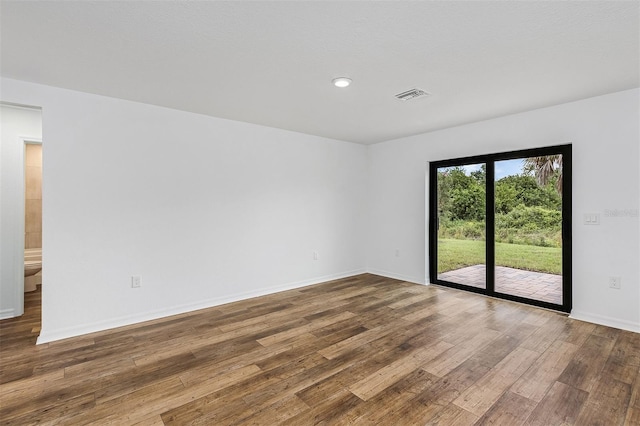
(412,94)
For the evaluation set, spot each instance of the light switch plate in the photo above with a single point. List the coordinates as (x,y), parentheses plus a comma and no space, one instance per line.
(592,219)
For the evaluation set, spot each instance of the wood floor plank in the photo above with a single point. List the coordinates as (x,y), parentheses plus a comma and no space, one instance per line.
(179,346)
(584,368)
(504,317)
(162,396)
(360,350)
(633,412)
(367,359)
(125,382)
(413,299)
(607,404)
(561,406)
(440,415)
(30,387)
(150,421)
(220,378)
(521,331)
(633,417)
(455,356)
(319,392)
(478,398)
(576,332)
(99,367)
(339,348)
(275,338)
(375,383)
(450,306)
(500,348)
(449,387)
(221,405)
(510,409)
(326,412)
(394,402)
(125,409)
(544,372)
(545,334)
(306,372)
(223,409)
(44,409)
(277,412)
(623,363)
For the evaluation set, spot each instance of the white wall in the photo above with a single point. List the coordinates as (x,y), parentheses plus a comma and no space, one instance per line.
(205,210)
(15,124)
(604,132)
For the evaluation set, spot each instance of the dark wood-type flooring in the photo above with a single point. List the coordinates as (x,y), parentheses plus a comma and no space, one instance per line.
(361,350)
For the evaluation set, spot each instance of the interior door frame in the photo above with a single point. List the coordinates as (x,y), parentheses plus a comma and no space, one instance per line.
(489,160)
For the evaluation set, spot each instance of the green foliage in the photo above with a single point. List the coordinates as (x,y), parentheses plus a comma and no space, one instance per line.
(526,213)
(512,191)
(543,238)
(546,169)
(531,234)
(480,176)
(461,196)
(468,203)
(530,225)
(462,229)
(530,218)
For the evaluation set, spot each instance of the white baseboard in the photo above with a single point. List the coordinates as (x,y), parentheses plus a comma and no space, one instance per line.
(7,313)
(604,320)
(47,336)
(396,276)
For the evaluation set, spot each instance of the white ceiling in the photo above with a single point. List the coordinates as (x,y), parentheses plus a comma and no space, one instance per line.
(271,62)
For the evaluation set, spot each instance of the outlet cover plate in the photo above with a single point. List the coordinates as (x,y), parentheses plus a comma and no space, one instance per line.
(136,281)
(615,282)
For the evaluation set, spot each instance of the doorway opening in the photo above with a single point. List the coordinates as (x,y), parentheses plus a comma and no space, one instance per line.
(500,225)
(32,214)
(21,227)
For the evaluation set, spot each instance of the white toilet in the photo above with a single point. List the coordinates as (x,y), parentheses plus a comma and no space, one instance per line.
(32,266)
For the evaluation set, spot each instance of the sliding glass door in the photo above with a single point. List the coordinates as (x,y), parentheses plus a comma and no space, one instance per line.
(461,195)
(500,225)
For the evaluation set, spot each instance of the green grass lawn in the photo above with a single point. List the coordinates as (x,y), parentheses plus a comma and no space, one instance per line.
(456,254)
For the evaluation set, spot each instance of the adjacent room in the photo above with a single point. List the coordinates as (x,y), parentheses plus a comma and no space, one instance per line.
(282,212)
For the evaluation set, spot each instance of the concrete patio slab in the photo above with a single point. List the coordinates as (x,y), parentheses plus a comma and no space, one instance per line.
(516,282)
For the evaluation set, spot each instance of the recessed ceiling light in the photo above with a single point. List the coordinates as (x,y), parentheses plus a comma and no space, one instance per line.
(341,82)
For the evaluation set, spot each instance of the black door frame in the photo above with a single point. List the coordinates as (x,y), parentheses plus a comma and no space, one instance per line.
(489,160)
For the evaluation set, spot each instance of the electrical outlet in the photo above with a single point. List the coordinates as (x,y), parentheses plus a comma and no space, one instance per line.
(615,282)
(397,252)
(316,256)
(136,281)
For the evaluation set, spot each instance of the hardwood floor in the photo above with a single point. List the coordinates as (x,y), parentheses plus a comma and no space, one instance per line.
(362,350)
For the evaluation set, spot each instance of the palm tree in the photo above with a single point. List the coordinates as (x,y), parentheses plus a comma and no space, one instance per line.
(545,168)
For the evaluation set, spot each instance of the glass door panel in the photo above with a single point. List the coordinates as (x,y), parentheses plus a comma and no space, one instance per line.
(461,225)
(500,225)
(528,228)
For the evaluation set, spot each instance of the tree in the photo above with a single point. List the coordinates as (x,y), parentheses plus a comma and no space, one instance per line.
(461,196)
(480,175)
(545,168)
(514,190)
(468,203)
